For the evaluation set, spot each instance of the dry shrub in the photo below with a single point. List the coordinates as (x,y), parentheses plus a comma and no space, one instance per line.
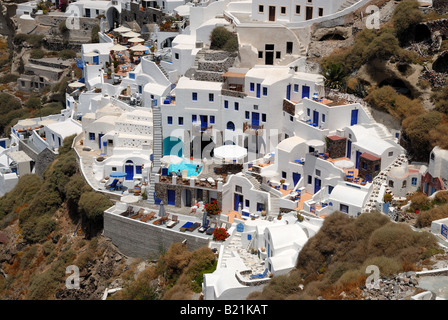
(441,197)
(420,201)
(281,287)
(175,260)
(424,219)
(179,292)
(387,266)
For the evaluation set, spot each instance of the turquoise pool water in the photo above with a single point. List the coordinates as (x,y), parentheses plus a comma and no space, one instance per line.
(185,165)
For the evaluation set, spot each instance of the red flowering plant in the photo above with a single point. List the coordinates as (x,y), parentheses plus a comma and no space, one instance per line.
(212,208)
(220,234)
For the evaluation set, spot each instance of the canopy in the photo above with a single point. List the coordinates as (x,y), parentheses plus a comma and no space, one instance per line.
(136,39)
(130,198)
(344,164)
(91,54)
(118,47)
(230,152)
(139,47)
(171,159)
(122,29)
(131,34)
(117,174)
(76,84)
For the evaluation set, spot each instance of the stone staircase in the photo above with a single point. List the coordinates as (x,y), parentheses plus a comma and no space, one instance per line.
(163,70)
(157,152)
(347,4)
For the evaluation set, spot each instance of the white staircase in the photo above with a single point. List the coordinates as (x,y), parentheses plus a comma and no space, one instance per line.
(157,151)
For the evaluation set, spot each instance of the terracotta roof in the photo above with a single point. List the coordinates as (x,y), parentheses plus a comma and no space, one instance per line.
(335,137)
(234,74)
(369,156)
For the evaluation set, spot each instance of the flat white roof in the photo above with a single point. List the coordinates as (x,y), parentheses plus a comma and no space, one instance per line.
(285,235)
(268,74)
(187,83)
(65,128)
(368,139)
(19,156)
(289,143)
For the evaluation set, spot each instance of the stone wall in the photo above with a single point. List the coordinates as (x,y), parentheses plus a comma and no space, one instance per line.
(367,167)
(336,147)
(146,16)
(139,239)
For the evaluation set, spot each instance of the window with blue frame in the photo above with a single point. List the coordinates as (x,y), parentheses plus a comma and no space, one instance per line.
(131,75)
(138,169)
(252,86)
(91,135)
(247,115)
(181,121)
(194,96)
(237,106)
(211,97)
(194,118)
(247,203)
(310,179)
(263,117)
(308,112)
(169,120)
(265,91)
(283,174)
(296,88)
(226,104)
(212,119)
(323,117)
(414,181)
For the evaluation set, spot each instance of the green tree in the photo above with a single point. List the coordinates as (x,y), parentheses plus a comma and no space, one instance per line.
(334,75)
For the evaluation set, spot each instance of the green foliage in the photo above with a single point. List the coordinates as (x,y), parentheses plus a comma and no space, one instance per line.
(67,54)
(406,15)
(223,39)
(334,75)
(7,78)
(94,38)
(37,54)
(33,102)
(92,204)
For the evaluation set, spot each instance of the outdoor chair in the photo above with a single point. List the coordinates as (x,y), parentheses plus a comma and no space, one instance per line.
(113,184)
(204,227)
(210,230)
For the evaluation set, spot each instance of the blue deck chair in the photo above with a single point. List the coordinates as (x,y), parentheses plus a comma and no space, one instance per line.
(112,185)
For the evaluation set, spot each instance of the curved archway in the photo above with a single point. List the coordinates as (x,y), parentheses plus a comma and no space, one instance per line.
(113,17)
(422,33)
(332,36)
(441,63)
(230,126)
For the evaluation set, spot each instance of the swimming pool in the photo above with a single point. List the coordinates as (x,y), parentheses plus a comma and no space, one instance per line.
(185,165)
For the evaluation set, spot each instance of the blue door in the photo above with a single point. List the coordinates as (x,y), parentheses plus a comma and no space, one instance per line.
(129,169)
(316,118)
(305,92)
(204,123)
(238,201)
(171,197)
(258,90)
(349,149)
(255,120)
(100,135)
(354,119)
(295,178)
(317,185)
(288,92)
(358,154)
(96,60)
(3,144)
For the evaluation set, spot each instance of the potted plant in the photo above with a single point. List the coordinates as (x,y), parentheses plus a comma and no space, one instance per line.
(212,208)
(220,234)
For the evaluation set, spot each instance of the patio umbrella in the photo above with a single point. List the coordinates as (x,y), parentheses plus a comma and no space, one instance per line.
(118,47)
(230,152)
(171,159)
(26,123)
(76,84)
(162,209)
(118,174)
(344,164)
(136,39)
(131,34)
(122,29)
(130,198)
(91,54)
(139,47)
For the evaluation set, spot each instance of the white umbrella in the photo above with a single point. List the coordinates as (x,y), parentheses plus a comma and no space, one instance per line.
(130,198)
(171,159)
(230,152)
(344,164)
(26,123)
(139,47)
(268,173)
(118,47)
(136,39)
(91,54)
(131,34)
(122,29)
(76,84)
